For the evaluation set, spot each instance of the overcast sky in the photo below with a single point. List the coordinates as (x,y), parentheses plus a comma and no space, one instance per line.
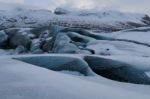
(141,6)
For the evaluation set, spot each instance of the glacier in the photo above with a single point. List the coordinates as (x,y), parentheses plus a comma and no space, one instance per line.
(74,54)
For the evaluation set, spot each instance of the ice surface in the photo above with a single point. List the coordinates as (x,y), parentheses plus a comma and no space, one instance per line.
(21,80)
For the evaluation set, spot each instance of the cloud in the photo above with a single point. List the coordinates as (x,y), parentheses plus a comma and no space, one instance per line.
(52,4)
(141,6)
(12,1)
(83,4)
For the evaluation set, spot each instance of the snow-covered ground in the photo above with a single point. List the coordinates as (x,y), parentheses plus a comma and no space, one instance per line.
(132,42)
(25,81)
(140,35)
(105,47)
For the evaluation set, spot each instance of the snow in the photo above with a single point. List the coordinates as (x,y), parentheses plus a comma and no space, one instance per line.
(118,48)
(69,76)
(6,52)
(138,62)
(72,73)
(107,16)
(21,80)
(135,36)
(130,42)
(138,34)
(95,20)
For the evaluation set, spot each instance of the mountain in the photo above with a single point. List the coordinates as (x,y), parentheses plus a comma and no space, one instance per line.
(103,21)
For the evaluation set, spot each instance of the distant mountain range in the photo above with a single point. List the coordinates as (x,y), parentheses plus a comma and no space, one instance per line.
(104,21)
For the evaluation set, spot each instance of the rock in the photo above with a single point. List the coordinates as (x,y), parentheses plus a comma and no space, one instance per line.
(36,47)
(19,38)
(61,11)
(20,49)
(146,19)
(3,38)
(105,52)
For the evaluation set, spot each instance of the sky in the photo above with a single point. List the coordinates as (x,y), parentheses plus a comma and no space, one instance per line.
(138,6)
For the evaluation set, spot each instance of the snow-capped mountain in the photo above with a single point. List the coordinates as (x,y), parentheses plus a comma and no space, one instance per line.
(108,15)
(106,21)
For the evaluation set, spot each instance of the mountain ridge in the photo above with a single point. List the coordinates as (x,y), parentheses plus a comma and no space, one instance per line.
(103,21)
